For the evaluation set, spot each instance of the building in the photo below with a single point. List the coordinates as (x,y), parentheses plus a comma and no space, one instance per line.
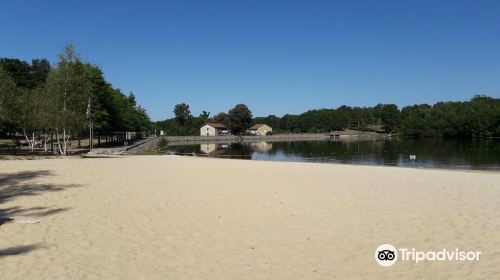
(214,129)
(259,129)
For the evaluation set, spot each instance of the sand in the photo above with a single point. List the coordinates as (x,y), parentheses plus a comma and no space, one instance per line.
(170,217)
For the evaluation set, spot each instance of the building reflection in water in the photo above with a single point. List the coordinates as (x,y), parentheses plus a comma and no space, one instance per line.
(214,149)
(208,148)
(261,147)
(236,149)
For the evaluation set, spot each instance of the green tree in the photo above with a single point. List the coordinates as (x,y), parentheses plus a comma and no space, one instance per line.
(8,95)
(68,90)
(39,71)
(240,119)
(19,71)
(101,100)
(389,116)
(18,106)
(182,113)
(204,115)
(40,99)
(9,101)
(222,118)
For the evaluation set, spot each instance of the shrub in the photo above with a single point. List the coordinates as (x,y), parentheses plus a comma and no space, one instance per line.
(163,144)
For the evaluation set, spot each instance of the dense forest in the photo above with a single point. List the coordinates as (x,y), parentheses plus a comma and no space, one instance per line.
(39,100)
(479,117)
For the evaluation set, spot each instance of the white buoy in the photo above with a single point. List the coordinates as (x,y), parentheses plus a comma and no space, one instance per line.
(413,157)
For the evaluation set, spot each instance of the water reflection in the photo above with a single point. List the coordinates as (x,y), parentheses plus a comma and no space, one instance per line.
(235,149)
(476,153)
(261,147)
(208,148)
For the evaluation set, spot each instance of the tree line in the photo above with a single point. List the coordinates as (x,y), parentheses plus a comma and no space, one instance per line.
(238,119)
(58,102)
(478,117)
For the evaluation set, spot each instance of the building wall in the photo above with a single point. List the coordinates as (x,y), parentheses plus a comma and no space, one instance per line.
(208,130)
(263,130)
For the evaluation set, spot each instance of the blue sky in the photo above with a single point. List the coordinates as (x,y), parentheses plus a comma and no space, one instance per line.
(275,56)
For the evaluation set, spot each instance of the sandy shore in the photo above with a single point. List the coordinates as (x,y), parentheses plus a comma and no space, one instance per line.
(168,217)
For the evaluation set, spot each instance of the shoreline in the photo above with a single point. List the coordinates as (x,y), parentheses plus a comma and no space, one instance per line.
(96,156)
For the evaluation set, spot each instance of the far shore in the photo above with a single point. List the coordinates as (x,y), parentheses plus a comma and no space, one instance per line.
(346,135)
(173,217)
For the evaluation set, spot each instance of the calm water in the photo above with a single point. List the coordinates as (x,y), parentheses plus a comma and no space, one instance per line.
(437,153)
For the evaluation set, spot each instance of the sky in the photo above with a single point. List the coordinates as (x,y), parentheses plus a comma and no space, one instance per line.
(277,57)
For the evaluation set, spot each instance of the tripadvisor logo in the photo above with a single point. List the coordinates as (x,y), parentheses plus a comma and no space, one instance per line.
(386,255)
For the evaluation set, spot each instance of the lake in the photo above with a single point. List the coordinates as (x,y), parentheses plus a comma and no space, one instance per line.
(431,153)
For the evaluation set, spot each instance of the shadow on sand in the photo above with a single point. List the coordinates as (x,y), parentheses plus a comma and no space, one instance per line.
(19,250)
(19,184)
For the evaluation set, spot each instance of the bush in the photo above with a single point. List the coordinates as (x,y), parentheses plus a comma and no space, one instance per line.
(163,144)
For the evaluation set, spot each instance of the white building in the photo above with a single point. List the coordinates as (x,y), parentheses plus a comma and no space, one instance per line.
(259,129)
(214,129)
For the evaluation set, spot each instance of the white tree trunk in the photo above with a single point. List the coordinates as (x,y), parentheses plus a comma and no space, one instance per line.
(45,143)
(64,140)
(58,142)
(30,144)
(32,141)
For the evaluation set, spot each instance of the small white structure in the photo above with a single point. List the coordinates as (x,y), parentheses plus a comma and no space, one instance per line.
(213,129)
(259,129)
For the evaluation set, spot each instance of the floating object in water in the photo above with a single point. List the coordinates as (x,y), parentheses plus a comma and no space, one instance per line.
(413,157)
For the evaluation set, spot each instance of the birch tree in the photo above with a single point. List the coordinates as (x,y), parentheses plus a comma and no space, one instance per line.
(67,89)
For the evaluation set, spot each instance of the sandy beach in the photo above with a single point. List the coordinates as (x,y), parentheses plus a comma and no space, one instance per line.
(171,217)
